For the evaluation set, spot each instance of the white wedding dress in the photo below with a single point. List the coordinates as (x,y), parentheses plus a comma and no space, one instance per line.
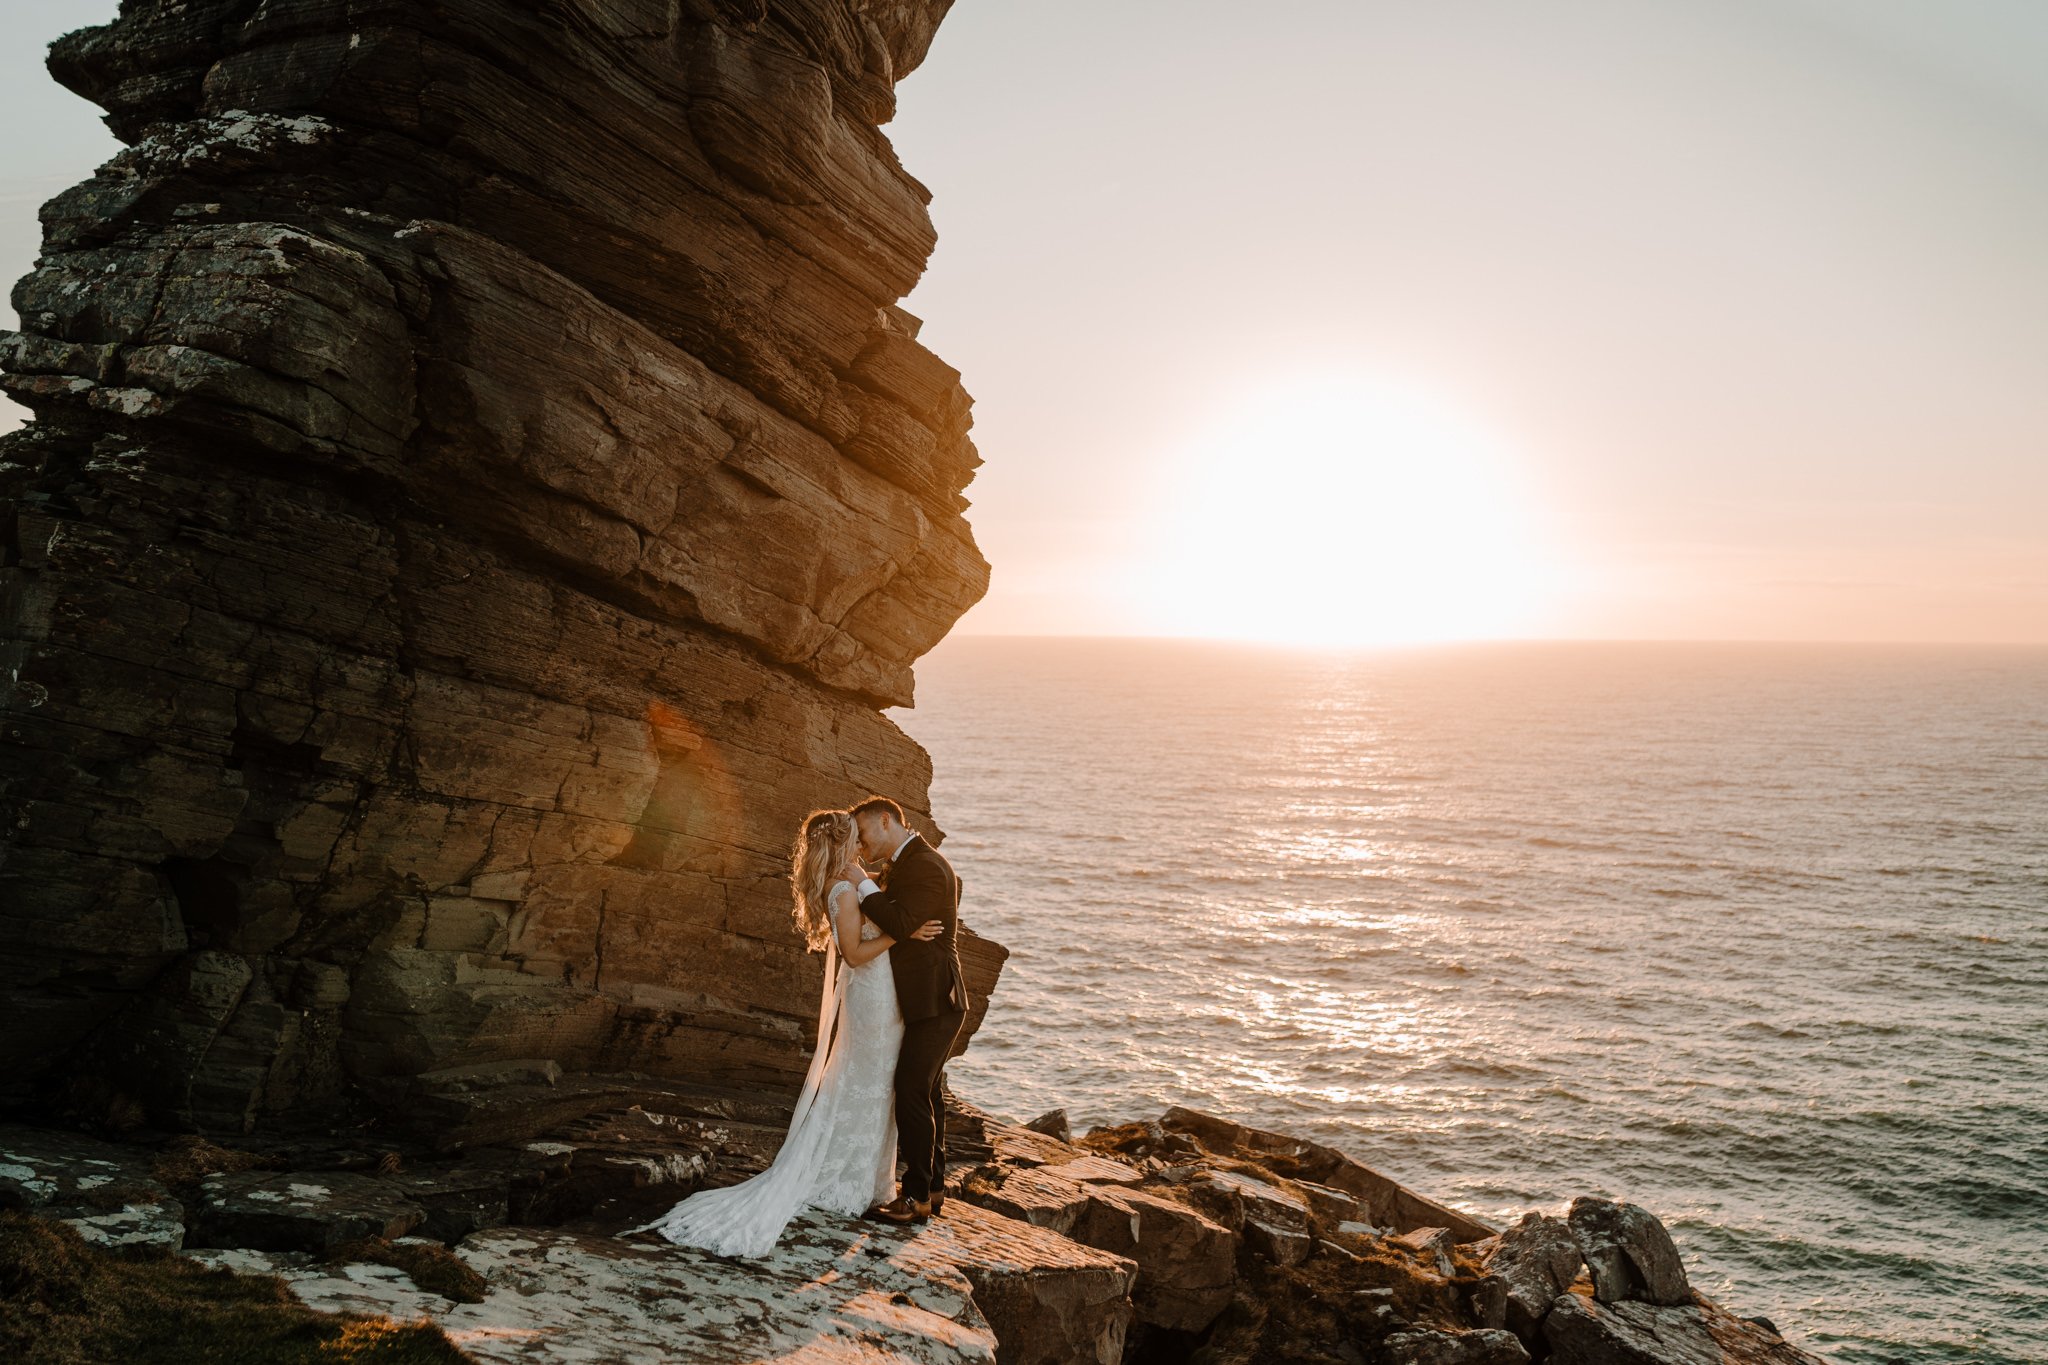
(840,1153)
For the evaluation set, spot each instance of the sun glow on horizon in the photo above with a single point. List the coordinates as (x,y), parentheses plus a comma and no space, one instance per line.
(1344,510)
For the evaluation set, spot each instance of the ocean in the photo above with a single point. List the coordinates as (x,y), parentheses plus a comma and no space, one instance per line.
(1755,936)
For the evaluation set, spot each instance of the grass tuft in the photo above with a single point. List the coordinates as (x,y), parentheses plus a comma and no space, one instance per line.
(432,1266)
(185,1161)
(63,1302)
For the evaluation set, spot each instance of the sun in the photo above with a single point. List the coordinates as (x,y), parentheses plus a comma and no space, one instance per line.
(1342,509)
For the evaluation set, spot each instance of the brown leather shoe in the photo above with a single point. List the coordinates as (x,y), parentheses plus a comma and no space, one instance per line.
(904,1209)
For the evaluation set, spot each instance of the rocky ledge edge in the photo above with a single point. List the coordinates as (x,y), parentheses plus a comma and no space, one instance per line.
(1185,1238)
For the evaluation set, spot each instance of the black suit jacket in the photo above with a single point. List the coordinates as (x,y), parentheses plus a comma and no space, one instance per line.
(922,886)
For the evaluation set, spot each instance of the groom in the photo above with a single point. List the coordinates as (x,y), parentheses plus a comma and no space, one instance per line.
(929,987)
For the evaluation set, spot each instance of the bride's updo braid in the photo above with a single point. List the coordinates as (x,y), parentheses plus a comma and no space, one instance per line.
(821,847)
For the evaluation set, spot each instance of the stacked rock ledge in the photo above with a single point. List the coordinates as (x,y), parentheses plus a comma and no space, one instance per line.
(481,492)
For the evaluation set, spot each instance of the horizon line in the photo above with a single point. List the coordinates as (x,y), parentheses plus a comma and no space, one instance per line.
(1310,646)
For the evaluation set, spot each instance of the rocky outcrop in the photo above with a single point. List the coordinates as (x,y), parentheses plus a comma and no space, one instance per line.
(1382,1202)
(1628,1253)
(561,1297)
(1133,1244)
(1531,1262)
(107,1192)
(1583,1331)
(1428,1346)
(1186,1261)
(291,1212)
(481,493)
(969,1287)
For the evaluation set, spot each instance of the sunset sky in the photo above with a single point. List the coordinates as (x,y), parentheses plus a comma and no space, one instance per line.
(1361,322)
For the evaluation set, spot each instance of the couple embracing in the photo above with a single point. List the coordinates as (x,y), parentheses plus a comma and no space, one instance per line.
(886,1025)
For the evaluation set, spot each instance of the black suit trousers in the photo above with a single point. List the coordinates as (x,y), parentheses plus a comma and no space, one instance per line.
(920,1107)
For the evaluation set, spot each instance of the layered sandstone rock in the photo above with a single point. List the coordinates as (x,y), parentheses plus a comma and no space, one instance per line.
(480,496)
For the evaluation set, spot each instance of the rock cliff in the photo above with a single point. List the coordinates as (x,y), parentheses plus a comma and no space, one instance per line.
(481,493)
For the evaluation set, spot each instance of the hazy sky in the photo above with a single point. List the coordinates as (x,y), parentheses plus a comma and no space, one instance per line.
(1641,318)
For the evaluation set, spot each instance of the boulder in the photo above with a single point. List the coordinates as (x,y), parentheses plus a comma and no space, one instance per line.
(1053,1123)
(459,1199)
(1534,1259)
(1629,1252)
(511,1108)
(1018,1144)
(1385,1202)
(1095,1170)
(561,1181)
(1186,1261)
(1015,1143)
(981,966)
(1049,1300)
(1580,1330)
(1273,1222)
(1329,1204)
(1487,1300)
(105,1190)
(1428,1346)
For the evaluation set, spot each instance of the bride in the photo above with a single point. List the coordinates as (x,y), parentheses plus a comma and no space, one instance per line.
(840,1153)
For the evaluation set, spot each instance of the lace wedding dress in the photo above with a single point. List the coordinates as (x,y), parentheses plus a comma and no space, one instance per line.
(840,1153)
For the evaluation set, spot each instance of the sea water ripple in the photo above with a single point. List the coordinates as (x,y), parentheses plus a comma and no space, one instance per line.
(1756,936)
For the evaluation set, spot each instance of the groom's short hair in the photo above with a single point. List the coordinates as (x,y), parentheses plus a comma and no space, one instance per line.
(879,805)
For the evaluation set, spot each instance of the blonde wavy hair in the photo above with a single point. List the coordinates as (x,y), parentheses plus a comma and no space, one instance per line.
(822,844)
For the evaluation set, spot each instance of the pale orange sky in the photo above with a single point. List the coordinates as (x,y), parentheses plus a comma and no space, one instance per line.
(1447,318)
(1752,294)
